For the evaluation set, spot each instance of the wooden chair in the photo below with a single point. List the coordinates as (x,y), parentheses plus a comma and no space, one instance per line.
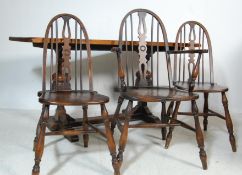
(66,44)
(142,35)
(193,32)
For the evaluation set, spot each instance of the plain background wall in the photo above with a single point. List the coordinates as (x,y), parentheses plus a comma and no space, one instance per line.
(20,63)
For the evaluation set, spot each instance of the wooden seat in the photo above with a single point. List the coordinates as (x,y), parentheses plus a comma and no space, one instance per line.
(73,98)
(141,72)
(193,32)
(63,85)
(203,87)
(153,94)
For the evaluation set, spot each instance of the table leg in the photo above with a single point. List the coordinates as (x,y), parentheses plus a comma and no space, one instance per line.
(142,112)
(61,120)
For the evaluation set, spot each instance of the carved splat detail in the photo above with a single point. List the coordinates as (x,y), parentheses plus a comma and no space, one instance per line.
(192,38)
(63,81)
(66,52)
(142,44)
(143,76)
(66,56)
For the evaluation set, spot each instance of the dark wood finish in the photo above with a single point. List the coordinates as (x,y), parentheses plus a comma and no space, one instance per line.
(194,32)
(61,118)
(205,111)
(40,139)
(199,136)
(139,80)
(155,94)
(59,90)
(172,121)
(95,44)
(164,119)
(75,98)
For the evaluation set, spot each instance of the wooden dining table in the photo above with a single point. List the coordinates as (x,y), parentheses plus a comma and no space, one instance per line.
(142,111)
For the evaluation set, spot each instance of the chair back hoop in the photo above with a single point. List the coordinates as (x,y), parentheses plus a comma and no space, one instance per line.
(142,38)
(190,36)
(66,44)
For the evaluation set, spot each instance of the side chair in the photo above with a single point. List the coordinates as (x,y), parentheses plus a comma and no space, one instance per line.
(142,35)
(66,45)
(193,32)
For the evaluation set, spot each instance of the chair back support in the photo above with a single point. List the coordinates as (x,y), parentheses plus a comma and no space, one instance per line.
(66,44)
(193,35)
(142,37)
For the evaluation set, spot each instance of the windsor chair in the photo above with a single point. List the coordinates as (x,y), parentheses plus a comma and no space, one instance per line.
(64,84)
(142,66)
(194,32)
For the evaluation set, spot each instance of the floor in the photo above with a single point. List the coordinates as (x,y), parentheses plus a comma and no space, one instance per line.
(144,155)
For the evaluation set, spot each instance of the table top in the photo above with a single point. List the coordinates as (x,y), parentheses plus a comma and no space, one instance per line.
(96,44)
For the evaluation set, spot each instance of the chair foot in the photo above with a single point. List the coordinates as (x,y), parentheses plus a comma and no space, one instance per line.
(168,139)
(116,165)
(116,173)
(232,142)
(36,170)
(203,158)
(85,140)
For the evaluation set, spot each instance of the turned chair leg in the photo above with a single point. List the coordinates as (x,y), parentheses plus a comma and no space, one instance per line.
(110,140)
(85,126)
(116,114)
(163,120)
(199,136)
(205,112)
(38,129)
(172,121)
(39,146)
(229,122)
(124,134)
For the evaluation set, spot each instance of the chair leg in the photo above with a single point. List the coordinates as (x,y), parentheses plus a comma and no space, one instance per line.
(199,135)
(36,137)
(39,147)
(124,135)
(229,122)
(85,126)
(38,129)
(170,109)
(163,120)
(205,111)
(110,140)
(172,121)
(115,117)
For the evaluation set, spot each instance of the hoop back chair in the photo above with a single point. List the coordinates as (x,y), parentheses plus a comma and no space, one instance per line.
(142,35)
(66,44)
(194,32)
